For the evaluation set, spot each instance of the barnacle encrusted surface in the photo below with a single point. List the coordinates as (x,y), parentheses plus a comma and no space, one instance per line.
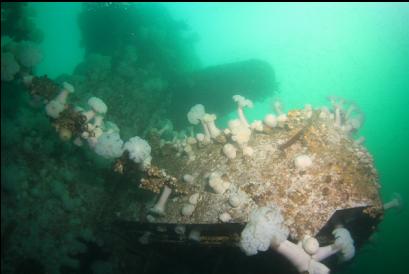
(342,175)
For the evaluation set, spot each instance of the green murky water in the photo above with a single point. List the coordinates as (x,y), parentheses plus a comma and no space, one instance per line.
(356,51)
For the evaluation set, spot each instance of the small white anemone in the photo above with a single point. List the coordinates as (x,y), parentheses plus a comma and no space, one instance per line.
(308,110)
(195,115)
(278,107)
(282,119)
(270,120)
(242,103)
(396,202)
(187,209)
(188,178)
(194,198)
(93,138)
(234,200)
(225,217)
(324,113)
(97,107)
(229,151)
(281,115)
(310,245)
(248,151)
(257,125)
(194,235)
(63,95)
(217,183)
(77,141)
(191,140)
(209,119)
(180,230)
(344,241)
(343,244)
(240,133)
(54,108)
(150,218)
(302,162)
(233,124)
(57,105)
(159,207)
(190,153)
(167,127)
(200,137)
(337,104)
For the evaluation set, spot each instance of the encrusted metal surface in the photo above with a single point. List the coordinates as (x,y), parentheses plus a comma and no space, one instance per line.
(342,176)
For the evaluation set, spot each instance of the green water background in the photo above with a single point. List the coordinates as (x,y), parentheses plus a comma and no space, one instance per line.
(357,51)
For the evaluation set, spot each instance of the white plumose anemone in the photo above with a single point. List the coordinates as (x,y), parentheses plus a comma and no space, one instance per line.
(196,115)
(264,224)
(109,145)
(266,229)
(139,151)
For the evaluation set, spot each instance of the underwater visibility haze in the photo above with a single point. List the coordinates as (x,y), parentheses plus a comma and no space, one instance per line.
(204,137)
